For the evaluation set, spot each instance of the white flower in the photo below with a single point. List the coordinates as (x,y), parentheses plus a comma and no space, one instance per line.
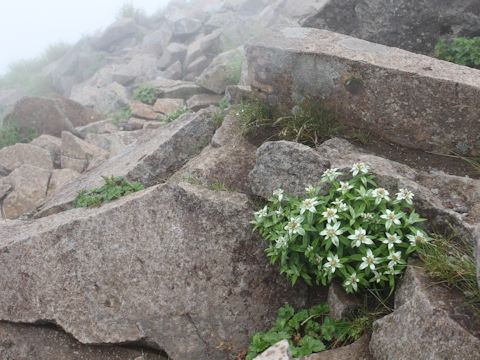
(391,218)
(332,263)
(344,187)
(379,194)
(394,258)
(359,167)
(331,232)
(390,271)
(309,248)
(330,214)
(377,276)
(309,189)
(404,194)
(293,226)
(391,240)
(262,212)
(352,281)
(369,261)
(309,204)
(318,259)
(279,212)
(367,216)
(360,237)
(278,194)
(417,239)
(330,174)
(341,206)
(282,242)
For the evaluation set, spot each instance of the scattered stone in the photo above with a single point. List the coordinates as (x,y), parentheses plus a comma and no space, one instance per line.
(429,318)
(340,303)
(29,184)
(167,106)
(147,161)
(158,40)
(106,100)
(51,115)
(186,26)
(174,52)
(118,31)
(201,101)
(77,153)
(142,110)
(116,142)
(12,157)
(351,73)
(61,177)
(99,127)
(136,123)
(175,89)
(196,67)
(25,342)
(288,166)
(49,143)
(174,71)
(176,267)
(279,351)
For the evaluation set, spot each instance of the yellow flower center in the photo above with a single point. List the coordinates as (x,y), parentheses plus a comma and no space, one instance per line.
(391,238)
(361,237)
(419,239)
(333,263)
(330,212)
(369,260)
(330,232)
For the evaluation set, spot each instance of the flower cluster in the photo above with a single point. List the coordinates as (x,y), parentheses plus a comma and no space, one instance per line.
(353,230)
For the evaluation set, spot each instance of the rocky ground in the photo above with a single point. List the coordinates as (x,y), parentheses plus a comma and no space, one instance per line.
(175,270)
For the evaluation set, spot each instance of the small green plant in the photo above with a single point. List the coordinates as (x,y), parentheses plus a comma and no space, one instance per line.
(124,115)
(253,115)
(451,262)
(146,94)
(12,134)
(175,115)
(223,104)
(114,188)
(233,70)
(460,51)
(307,331)
(351,230)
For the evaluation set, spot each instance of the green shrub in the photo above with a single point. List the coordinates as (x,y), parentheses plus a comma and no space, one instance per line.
(460,51)
(233,70)
(146,94)
(12,134)
(350,230)
(114,188)
(175,115)
(129,11)
(124,115)
(253,115)
(307,332)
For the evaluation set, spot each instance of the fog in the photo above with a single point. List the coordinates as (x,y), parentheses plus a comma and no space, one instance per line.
(27,27)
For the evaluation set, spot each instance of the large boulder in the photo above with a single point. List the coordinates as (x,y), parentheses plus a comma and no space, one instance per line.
(429,318)
(173,52)
(115,142)
(29,185)
(175,267)
(403,97)
(49,143)
(422,24)
(26,342)
(12,157)
(143,111)
(176,89)
(77,154)
(59,178)
(51,115)
(167,106)
(105,100)
(116,32)
(149,160)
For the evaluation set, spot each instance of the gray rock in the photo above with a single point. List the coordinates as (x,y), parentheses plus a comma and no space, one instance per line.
(142,110)
(136,123)
(167,106)
(114,143)
(77,154)
(59,178)
(49,143)
(176,89)
(26,342)
(155,42)
(340,303)
(378,21)
(176,267)
(29,185)
(12,157)
(98,127)
(224,70)
(186,26)
(356,351)
(236,94)
(174,71)
(428,318)
(204,45)
(201,101)
(174,52)
(279,351)
(105,100)
(118,31)
(148,160)
(351,73)
(288,166)
(196,67)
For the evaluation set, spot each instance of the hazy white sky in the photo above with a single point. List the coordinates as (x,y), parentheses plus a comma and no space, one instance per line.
(27,27)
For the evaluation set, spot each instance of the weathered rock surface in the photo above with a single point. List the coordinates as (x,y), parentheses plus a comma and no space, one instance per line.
(429,319)
(26,342)
(118,31)
(226,163)
(29,184)
(201,101)
(148,160)
(51,115)
(356,351)
(114,143)
(77,154)
(176,267)
(143,111)
(422,24)
(12,157)
(49,143)
(176,89)
(340,303)
(98,127)
(371,84)
(61,177)
(279,351)
(286,165)
(167,106)
(105,100)
(174,52)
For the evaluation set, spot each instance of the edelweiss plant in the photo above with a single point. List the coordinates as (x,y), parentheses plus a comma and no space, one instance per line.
(352,230)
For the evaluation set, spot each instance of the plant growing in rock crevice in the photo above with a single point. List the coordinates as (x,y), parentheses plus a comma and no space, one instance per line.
(460,51)
(175,114)
(12,134)
(147,94)
(351,230)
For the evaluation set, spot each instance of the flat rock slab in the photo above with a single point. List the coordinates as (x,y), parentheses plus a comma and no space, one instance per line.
(148,160)
(27,342)
(176,267)
(14,156)
(427,318)
(410,99)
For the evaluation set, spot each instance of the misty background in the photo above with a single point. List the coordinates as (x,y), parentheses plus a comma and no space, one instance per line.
(28,27)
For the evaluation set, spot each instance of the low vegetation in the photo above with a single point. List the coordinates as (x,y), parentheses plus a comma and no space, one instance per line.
(460,51)
(146,94)
(175,115)
(114,188)
(12,134)
(127,10)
